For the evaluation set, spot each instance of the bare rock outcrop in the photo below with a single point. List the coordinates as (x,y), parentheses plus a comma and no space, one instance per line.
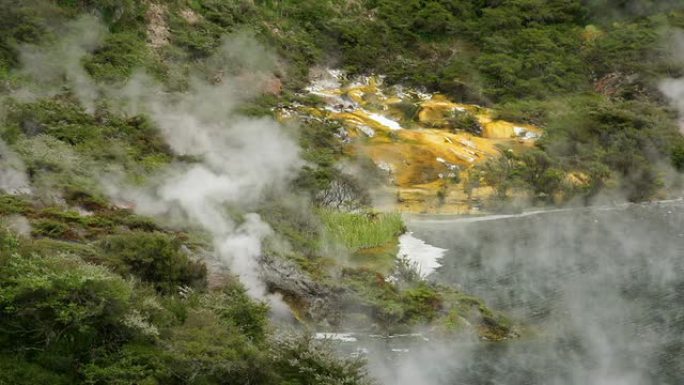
(315,300)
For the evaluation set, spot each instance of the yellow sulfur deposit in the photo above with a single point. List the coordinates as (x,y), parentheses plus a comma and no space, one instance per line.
(413,138)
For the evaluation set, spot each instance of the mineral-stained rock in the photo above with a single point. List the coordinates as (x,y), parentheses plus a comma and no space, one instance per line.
(315,301)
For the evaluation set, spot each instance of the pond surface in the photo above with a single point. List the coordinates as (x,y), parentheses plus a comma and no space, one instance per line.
(601,292)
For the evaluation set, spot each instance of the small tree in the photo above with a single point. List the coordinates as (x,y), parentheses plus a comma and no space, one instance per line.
(499,173)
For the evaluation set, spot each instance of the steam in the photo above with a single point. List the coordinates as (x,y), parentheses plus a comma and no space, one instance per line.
(240,158)
(236,159)
(18,224)
(13,179)
(674,88)
(599,289)
(50,66)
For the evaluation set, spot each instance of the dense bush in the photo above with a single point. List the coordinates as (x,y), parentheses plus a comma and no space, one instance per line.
(206,351)
(302,361)
(66,321)
(20,23)
(156,258)
(16,371)
(60,310)
(629,137)
(120,54)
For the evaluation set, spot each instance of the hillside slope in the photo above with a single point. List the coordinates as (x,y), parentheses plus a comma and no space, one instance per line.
(181,186)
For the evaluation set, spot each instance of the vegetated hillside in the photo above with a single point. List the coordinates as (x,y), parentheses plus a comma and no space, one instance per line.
(427,149)
(587,72)
(103,282)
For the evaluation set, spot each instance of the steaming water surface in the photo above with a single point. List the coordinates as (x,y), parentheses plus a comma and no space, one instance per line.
(601,292)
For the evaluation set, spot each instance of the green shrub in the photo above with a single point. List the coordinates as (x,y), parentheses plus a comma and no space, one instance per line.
(11,204)
(227,14)
(79,196)
(51,228)
(156,258)
(236,309)
(293,220)
(433,20)
(8,243)
(15,370)
(625,48)
(303,361)
(397,304)
(499,173)
(540,173)
(627,137)
(117,13)
(134,363)
(20,23)
(198,40)
(117,58)
(677,156)
(59,304)
(203,350)
(526,111)
(465,121)
(422,302)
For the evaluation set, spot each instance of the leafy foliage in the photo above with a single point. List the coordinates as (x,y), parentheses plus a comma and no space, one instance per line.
(63,309)
(305,362)
(67,321)
(94,297)
(155,258)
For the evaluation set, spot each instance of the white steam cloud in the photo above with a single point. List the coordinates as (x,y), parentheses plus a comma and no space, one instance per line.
(50,66)
(19,224)
(13,179)
(240,157)
(674,88)
(237,158)
(600,290)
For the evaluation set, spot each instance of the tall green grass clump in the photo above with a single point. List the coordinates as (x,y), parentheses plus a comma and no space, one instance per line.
(362,230)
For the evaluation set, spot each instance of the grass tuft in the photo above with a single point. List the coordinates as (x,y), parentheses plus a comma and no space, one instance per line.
(362,230)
